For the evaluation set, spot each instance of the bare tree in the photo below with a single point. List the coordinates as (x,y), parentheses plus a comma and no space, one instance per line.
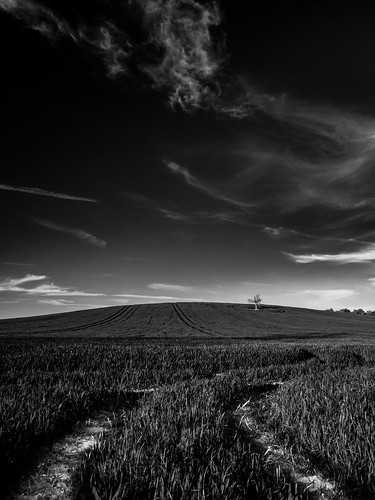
(256,300)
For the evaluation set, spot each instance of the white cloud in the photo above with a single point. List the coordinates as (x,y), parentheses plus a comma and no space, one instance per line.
(78,233)
(76,305)
(12,284)
(56,302)
(43,192)
(44,289)
(362,256)
(55,290)
(168,287)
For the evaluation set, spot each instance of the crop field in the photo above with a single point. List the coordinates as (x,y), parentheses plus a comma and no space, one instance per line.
(178,405)
(195,320)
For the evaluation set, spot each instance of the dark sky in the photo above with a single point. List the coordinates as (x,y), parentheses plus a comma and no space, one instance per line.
(178,150)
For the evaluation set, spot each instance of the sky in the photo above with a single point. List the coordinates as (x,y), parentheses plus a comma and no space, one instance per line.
(185,150)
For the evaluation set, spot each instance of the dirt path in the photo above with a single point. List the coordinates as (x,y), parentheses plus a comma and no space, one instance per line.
(294,466)
(52,475)
(52,478)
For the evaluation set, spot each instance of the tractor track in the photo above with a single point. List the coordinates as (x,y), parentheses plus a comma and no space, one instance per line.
(125,313)
(53,468)
(306,482)
(188,321)
(228,314)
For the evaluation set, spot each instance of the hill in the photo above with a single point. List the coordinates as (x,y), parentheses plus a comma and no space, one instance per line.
(194,320)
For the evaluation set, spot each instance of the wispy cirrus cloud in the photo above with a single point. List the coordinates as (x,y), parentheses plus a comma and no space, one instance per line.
(101,35)
(363,256)
(44,192)
(177,52)
(78,233)
(56,302)
(303,156)
(157,297)
(197,216)
(56,290)
(13,284)
(280,232)
(313,180)
(37,16)
(175,215)
(180,29)
(71,304)
(212,191)
(170,287)
(44,289)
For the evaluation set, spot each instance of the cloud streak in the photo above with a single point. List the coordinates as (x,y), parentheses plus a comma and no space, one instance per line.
(44,192)
(363,256)
(56,302)
(44,289)
(78,233)
(313,181)
(169,287)
(196,183)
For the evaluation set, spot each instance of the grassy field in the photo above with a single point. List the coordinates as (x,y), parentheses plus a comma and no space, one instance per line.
(181,441)
(196,320)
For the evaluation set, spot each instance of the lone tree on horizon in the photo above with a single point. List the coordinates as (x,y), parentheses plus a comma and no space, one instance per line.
(256,300)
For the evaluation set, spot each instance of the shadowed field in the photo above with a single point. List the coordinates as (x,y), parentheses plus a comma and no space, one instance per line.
(196,320)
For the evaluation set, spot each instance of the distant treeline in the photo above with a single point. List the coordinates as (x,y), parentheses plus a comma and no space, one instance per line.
(355,311)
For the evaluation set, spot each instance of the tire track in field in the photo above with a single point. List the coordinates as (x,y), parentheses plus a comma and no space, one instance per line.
(228,314)
(52,478)
(125,313)
(304,485)
(108,319)
(189,322)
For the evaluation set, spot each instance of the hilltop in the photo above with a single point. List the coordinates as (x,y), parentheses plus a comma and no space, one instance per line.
(195,320)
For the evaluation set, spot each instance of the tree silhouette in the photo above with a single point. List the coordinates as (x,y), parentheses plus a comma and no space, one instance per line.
(256,300)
